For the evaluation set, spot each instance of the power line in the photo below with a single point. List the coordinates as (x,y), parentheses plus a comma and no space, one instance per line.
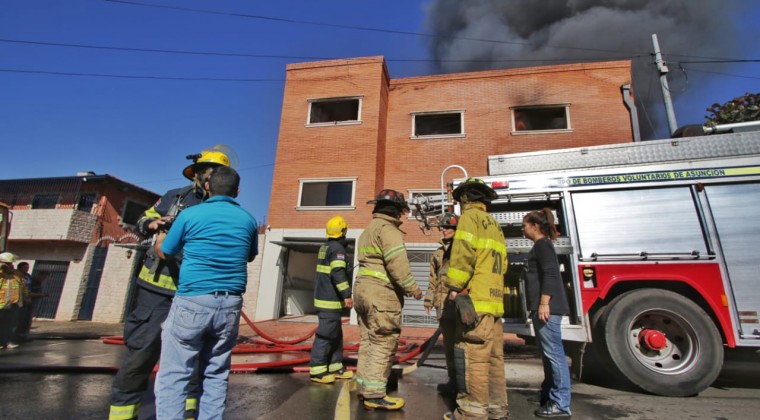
(122,76)
(353,27)
(297,57)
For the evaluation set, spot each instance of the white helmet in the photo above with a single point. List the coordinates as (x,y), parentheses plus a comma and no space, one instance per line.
(8,257)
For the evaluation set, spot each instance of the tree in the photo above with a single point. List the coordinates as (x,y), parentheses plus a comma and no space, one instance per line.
(740,109)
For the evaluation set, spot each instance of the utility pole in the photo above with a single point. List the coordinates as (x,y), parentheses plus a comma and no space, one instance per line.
(663,69)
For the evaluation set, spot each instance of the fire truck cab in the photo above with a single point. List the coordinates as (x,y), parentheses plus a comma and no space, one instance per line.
(657,249)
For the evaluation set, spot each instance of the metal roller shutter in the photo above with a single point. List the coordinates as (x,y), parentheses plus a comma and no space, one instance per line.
(414,310)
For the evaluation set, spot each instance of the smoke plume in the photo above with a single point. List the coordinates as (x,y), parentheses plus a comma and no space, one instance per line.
(474,35)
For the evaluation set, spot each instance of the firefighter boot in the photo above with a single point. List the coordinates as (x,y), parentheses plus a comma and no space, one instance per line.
(385,403)
(342,374)
(324,378)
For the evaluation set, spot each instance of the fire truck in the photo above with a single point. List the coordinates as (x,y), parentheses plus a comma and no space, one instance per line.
(657,249)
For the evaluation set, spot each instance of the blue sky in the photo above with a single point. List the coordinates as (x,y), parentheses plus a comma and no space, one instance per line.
(57,118)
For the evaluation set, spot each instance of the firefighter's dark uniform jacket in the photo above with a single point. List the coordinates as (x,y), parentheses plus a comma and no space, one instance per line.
(332,281)
(479,260)
(382,255)
(157,275)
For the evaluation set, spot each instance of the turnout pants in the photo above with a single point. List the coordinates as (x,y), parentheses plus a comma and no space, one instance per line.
(327,350)
(448,324)
(142,337)
(479,358)
(379,311)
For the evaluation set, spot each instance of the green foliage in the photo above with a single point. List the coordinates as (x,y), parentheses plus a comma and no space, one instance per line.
(741,109)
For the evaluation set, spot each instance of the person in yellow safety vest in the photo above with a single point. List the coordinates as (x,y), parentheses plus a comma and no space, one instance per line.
(156,284)
(12,296)
(332,293)
(383,279)
(476,274)
(437,297)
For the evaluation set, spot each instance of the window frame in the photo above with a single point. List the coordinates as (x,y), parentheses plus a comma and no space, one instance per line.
(414,116)
(127,202)
(303,181)
(565,106)
(312,101)
(46,199)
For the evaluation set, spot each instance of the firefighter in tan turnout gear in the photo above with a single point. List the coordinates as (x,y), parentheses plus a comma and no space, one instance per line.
(156,285)
(476,280)
(383,279)
(332,293)
(437,296)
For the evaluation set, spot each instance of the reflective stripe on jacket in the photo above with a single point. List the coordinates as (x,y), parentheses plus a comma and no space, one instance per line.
(12,289)
(332,285)
(479,260)
(382,254)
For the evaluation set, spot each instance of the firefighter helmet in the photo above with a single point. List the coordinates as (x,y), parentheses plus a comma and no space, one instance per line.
(8,257)
(336,227)
(449,220)
(476,190)
(392,196)
(214,156)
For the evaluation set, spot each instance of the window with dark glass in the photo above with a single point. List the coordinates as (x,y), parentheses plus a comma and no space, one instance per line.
(327,193)
(334,110)
(44,201)
(132,212)
(86,202)
(437,124)
(541,118)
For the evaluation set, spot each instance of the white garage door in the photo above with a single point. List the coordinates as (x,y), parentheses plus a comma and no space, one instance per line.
(414,310)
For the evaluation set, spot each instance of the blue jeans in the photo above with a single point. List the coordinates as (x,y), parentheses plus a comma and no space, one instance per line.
(205,326)
(556,384)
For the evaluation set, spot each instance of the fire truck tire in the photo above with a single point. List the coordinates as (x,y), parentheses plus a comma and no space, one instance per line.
(662,342)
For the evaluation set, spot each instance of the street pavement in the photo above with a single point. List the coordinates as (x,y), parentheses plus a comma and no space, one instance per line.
(65,372)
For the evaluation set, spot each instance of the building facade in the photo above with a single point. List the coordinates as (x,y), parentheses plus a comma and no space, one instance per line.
(349,130)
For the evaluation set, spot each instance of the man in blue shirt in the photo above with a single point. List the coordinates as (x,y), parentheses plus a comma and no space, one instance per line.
(217,240)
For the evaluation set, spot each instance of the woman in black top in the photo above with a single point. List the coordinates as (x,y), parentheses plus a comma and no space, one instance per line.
(547,304)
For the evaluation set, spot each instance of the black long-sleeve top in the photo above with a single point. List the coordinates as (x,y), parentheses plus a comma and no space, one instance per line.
(543,278)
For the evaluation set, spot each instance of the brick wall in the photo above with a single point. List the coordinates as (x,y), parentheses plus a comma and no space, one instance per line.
(380,151)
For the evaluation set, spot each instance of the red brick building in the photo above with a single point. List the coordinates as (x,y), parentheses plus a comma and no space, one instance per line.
(349,130)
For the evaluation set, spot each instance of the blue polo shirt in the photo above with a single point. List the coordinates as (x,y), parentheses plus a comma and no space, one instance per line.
(217,239)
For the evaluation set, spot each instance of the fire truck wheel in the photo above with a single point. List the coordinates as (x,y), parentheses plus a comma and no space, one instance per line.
(662,342)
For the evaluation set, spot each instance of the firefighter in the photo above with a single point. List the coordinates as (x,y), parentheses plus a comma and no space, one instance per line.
(437,297)
(476,282)
(383,279)
(12,296)
(332,293)
(156,284)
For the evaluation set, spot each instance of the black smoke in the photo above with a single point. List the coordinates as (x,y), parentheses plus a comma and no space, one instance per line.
(474,35)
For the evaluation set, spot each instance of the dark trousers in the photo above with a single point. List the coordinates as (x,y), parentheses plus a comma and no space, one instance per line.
(327,349)
(142,337)
(8,322)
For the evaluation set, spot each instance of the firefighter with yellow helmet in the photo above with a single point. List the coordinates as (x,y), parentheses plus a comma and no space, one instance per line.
(383,279)
(476,281)
(156,285)
(437,296)
(332,293)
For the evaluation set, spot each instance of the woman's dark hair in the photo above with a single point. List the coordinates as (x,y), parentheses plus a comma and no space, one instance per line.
(545,221)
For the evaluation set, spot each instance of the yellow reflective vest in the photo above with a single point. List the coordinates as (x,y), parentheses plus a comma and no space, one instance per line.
(479,260)
(12,288)
(382,255)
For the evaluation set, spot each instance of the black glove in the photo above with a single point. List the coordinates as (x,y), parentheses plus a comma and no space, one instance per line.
(466,310)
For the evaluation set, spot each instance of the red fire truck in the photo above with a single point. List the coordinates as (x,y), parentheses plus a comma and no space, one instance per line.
(657,248)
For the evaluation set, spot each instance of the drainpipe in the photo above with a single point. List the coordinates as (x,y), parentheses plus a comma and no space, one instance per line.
(628,100)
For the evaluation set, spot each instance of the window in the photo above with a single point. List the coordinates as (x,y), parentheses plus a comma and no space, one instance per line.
(86,202)
(438,124)
(544,118)
(132,212)
(334,111)
(44,201)
(326,193)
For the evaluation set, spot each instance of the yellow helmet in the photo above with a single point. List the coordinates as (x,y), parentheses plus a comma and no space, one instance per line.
(336,227)
(205,159)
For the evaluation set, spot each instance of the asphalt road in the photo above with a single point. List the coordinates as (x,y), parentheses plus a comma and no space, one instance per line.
(63,378)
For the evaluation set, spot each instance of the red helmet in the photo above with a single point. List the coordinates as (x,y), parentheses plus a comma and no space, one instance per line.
(449,220)
(391,196)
